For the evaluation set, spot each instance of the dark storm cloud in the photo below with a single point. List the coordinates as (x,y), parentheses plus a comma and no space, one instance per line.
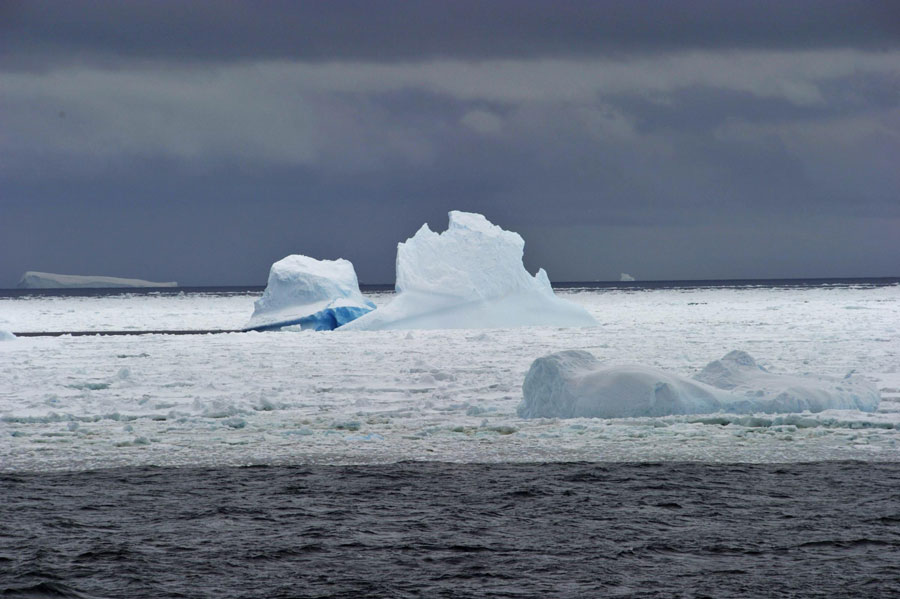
(201,141)
(42,32)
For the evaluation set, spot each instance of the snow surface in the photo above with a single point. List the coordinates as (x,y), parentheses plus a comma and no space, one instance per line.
(127,310)
(46,280)
(470,276)
(575,384)
(382,396)
(309,294)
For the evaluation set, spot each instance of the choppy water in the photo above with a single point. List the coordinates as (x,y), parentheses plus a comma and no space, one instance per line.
(829,529)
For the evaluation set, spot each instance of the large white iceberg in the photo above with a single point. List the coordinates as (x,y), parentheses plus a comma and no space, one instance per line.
(469,276)
(575,384)
(310,294)
(47,280)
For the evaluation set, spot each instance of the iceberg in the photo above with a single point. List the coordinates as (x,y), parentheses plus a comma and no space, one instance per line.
(47,280)
(311,294)
(6,335)
(575,384)
(739,374)
(626,278)
(470,276)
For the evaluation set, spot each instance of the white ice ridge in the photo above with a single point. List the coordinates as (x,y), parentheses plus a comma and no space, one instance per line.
(312,294)
(575,384)
(470,276)
(46,280)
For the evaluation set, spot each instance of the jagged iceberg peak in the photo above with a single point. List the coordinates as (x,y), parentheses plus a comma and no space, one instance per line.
(470,276)
(311,294)
(473,258)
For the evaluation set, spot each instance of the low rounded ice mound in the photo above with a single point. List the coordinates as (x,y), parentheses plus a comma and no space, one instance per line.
(547,388)
(469,276)
(313,294)
(574,384)
(6,335)
(739,373)
(728,372)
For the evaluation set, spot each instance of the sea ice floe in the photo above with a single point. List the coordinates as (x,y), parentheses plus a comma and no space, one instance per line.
(183,389)
(309,293)
(575,384)
(469,276)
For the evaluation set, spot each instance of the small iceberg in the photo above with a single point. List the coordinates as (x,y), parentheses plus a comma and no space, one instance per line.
(575,384)
(739,374)
(320,295)
(470,276)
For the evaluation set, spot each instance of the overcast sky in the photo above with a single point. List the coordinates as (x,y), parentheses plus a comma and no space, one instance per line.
(202,141)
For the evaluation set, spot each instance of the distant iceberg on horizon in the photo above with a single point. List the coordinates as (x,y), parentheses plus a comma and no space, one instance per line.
(470,276)
(45,280)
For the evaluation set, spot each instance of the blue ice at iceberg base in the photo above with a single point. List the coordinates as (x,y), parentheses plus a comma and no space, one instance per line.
(325,320)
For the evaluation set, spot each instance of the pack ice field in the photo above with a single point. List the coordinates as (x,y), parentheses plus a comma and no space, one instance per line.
(363,396)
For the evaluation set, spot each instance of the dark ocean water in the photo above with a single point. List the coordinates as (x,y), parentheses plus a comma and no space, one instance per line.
(444,530)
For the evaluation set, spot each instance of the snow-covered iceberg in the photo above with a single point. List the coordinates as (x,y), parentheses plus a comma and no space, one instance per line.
(310,294)
(739,374)
(575,384)
(470,276)
(47,280)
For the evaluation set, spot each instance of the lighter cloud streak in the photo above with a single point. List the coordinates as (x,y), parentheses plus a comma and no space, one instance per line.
(482,121)
(792,76)
(324,114)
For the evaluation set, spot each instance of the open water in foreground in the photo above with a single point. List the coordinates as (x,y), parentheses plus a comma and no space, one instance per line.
(427,529)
